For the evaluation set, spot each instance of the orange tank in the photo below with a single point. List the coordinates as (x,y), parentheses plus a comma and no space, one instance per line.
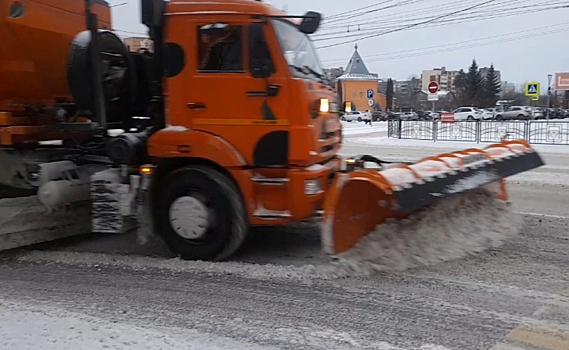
(36,36)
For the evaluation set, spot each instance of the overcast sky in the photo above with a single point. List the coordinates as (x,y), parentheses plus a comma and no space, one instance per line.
(541,48)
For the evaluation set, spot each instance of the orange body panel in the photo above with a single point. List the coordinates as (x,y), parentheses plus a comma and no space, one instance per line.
(35,48)
(232,121)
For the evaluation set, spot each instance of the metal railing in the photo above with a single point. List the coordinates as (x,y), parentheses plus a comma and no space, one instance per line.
(536,132)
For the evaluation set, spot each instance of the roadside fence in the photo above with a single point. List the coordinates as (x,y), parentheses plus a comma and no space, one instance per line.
(546,132)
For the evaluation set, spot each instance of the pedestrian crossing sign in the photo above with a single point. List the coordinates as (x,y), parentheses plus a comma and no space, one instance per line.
(532,89)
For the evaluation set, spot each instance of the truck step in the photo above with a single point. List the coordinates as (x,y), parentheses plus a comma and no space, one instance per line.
(263,213)
(270,180)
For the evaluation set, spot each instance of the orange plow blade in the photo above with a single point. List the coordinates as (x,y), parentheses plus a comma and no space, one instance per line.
(361,198)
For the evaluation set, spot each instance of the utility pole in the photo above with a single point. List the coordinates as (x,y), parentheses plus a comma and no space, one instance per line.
(549,76)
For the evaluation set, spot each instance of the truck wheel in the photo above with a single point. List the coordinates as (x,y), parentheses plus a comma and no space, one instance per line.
(200,214)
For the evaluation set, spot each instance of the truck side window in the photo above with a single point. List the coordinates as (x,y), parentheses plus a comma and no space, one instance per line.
(260,60)
(220,48)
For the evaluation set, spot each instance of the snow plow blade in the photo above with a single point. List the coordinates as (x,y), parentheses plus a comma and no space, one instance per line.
(361,198)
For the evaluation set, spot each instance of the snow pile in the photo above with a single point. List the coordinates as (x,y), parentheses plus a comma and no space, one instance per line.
(456,227)
(27,213)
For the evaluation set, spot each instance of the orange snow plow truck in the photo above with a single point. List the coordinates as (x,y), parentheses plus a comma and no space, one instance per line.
(227,122)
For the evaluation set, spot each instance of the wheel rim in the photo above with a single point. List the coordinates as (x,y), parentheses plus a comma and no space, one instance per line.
(190,217)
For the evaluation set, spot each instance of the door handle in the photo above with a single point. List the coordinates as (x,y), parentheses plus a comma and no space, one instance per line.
(196,105)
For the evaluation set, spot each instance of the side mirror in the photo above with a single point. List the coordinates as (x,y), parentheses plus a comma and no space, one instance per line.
(310,22)
(152,12)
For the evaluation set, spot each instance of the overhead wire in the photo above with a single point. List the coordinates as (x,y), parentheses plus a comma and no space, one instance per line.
(506,40)
(459,20)
(440,8)
(453,44)
(402,17)
(411,25)
(357,14)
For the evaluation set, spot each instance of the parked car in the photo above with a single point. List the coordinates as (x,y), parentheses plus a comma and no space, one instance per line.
(427,115)
(356,116)
(538,113)
(515,112)
(408,116)
(377,116)
(468,113)
(490,113)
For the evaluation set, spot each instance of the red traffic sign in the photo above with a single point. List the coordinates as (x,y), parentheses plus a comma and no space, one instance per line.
(433,87)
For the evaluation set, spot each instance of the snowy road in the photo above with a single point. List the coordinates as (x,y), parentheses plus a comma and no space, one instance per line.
(108,292)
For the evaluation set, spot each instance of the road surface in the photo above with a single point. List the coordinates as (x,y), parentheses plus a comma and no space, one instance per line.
(97,292)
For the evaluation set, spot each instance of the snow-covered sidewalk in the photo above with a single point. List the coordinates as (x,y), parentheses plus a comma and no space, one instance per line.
(444,145)
(355,128)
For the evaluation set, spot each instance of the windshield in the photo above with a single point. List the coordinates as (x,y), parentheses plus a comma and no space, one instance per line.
(298,51)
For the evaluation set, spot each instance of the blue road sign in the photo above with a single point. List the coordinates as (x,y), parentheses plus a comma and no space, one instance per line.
(532,89)
(370,93)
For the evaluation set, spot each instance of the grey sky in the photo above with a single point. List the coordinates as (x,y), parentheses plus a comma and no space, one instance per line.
(527,59)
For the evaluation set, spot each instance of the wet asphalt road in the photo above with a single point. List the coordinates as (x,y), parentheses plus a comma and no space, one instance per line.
(514,297)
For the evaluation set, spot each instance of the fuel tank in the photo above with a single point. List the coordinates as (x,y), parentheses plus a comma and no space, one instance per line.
(36,36)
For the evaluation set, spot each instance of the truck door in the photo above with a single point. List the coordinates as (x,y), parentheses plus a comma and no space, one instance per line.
(236,93)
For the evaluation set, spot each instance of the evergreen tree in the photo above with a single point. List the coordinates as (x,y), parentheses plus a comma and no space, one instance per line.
(389,94)
(473,85)
(492,88)
(460,87)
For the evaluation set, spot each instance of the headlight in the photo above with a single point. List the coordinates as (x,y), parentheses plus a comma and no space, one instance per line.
(324,105)
(312,187)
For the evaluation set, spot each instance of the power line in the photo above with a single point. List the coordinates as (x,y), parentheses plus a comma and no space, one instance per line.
(399,13)
(471,46)
(403,17)
(455,43)
(402,3)
(358,9)
(464,19)
(411,25)
(340,21)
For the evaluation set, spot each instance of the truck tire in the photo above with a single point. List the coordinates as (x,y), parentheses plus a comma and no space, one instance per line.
(200,214)
(119,76)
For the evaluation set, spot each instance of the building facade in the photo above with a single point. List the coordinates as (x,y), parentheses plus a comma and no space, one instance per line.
(354,84)
(138,44)
(334,73)
(445,78)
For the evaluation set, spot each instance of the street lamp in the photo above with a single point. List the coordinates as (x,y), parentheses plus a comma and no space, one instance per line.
(549,76)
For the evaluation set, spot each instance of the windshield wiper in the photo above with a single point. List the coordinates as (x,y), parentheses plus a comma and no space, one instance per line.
(308,71)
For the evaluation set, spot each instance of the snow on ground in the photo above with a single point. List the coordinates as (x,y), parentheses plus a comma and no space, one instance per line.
(447,145)
(32,327)
(456,227)
(355,128)
(556,173)
(453,229)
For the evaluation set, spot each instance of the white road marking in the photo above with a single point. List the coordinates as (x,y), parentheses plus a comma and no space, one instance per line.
(543,215)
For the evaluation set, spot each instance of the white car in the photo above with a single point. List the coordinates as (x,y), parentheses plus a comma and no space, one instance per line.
(408,116)
(356,116)
(468,113)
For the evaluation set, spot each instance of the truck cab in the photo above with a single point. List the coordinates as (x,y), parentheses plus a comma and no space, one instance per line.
(246,105)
